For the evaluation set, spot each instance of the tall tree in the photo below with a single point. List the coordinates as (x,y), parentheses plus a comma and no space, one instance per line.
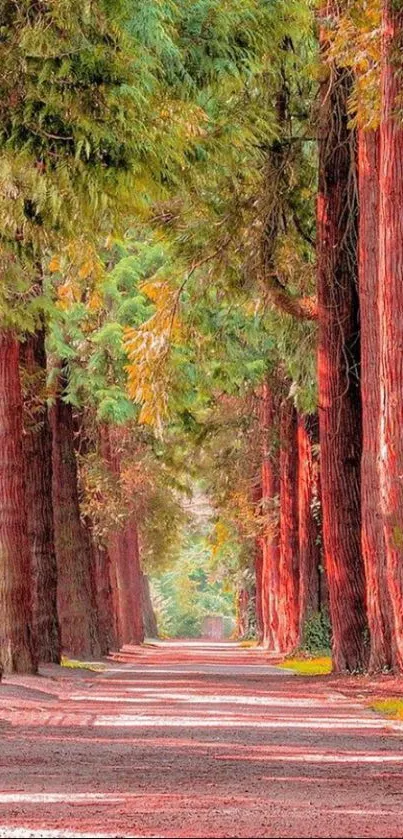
(76,590)
(373,540)
(17,644)
(37,451)
(289,543)
(339,363)
(309,528)
(391,311)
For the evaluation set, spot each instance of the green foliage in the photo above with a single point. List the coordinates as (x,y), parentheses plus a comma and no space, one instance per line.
(317,633)
(191,590)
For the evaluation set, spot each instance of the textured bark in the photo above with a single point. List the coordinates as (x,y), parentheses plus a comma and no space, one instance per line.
(242,611)
(76,600)
(338,370)
(373,540)
(105,605)
(123,549)
(258,589)
(391,311)
(37,451)
(289,558)
(309,529)
(270,537)
(17,646)
(149,619)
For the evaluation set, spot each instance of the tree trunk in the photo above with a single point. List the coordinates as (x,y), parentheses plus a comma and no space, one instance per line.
(123,549)
(338,369)
(105,605)
(242,610)
(309,529)
(391,312)
(17,646)
(270,537)
(289,559)
(373,540)
(258,589)
(149,619)
(76,601)
(38,482)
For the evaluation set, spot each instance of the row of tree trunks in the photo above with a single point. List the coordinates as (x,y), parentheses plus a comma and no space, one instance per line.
(288,573)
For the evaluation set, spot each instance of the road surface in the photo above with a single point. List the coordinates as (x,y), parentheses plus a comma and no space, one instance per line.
(190,740)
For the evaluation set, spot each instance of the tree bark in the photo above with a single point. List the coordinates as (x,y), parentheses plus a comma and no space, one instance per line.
(17,645)
(373,539)
(258,589)
(105,605)
(338,369)
(76,601)
(289,558)
(391,311)
(123,549)
(37,450)
(309,530)
(149,619)
(270,538)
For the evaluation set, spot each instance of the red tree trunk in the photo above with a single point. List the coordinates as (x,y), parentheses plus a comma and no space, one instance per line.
(373,540)
(391,311)
(309,530)
(76,601)
(38,483)
(242,613)
(123,549)
(289,559)
(105,604)
(338,370)
(17,647)
(258,589)
(149,619)
(270,538)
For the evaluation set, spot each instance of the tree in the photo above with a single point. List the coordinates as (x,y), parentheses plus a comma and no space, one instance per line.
(76,574)
(309,520)
(37,451)
(390,312)
(17,650)
(338,366)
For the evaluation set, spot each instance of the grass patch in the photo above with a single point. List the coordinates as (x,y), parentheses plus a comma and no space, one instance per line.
(95,666)
(247,644)
(392,707)
(309,666)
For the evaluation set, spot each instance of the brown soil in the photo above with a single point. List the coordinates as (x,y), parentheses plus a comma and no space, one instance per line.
(197,741)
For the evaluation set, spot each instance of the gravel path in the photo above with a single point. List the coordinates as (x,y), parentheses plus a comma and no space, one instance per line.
(194,741)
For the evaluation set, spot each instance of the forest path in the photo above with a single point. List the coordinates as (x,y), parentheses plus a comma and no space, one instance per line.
(194,741)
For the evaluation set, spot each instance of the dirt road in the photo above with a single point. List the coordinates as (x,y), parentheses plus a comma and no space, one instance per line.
(194,741)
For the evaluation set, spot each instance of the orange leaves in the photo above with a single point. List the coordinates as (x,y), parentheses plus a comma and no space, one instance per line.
(149,348)
(81,272)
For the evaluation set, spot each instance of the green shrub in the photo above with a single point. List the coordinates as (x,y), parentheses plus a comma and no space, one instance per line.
(317,634)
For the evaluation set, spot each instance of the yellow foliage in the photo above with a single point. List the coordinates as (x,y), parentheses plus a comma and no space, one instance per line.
(309,666)
(148,348)
(54,264)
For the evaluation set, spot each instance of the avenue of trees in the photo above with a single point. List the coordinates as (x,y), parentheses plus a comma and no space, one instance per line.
(201,286)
